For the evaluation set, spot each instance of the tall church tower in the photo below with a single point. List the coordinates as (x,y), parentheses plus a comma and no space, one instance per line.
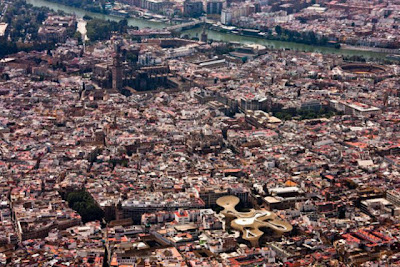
(117,68)
(204,36)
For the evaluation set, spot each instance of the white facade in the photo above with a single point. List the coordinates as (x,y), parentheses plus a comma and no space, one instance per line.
(226,16)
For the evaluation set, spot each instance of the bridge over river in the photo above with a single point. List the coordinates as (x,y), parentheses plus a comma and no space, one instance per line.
(192,31)
(184,26)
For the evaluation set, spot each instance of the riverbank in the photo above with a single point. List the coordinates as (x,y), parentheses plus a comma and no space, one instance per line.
(371,49)
(214,35)
(266,35)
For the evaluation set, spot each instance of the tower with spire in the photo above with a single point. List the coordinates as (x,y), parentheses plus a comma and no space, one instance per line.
(204,36)
(117,67)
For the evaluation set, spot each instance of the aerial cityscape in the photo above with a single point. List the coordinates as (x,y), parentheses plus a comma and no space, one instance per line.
(141,133)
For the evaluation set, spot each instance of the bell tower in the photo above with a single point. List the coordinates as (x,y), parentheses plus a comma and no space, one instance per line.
(204,36)
(117,67)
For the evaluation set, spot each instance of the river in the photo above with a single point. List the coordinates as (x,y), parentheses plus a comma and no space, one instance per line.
(214,35)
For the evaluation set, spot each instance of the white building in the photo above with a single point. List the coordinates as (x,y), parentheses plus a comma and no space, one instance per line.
(180,52)
(182,216)
(226,16)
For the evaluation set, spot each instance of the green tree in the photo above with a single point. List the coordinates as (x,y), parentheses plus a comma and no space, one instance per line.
(83,203)
(278,29)
(98,29)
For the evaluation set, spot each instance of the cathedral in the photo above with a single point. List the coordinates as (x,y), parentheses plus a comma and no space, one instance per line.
(131,70)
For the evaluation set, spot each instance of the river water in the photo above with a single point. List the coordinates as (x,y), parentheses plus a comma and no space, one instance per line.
(214,35)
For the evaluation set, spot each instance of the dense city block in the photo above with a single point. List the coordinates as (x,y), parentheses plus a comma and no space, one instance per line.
(123,146)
